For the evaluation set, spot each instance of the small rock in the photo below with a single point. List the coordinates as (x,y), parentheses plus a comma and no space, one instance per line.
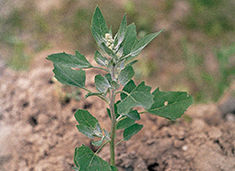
(230,117)
(185,148)
(214,133)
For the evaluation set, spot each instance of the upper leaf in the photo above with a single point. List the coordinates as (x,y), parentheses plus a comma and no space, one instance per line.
(98,26)
(130,39)
(88,124)
(119,37)
(68,76)
(125,75)
(139,96)
(170,105)
(143,42)
(132,130)
(75,61)
(86,160)
(101,83)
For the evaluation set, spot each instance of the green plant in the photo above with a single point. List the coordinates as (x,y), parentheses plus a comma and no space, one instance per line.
(117,63)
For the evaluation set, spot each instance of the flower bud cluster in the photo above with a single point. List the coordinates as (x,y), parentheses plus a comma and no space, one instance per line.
(109,41)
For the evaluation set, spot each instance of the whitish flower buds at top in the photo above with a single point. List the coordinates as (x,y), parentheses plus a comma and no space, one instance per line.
(108,36)
(106,62)
(109,41)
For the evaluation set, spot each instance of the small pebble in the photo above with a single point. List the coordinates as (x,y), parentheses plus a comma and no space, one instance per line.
(230,117)
(185,148)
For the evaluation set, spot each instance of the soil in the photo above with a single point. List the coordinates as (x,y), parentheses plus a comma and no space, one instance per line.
(38,133)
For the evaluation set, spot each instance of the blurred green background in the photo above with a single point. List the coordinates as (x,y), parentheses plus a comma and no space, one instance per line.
(196,51)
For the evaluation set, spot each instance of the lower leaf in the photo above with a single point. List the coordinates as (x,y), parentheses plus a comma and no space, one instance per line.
(86,160)
(132,130)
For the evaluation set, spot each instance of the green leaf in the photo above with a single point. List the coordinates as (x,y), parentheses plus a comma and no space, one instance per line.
(98,26)
(125,123)
(125,75)
(170,105)
(66,75)
(108,77)
(101,83)
(99,29)
(141,44)
(100,59)
(128,88)
(133,115)
(132,63)
(130,39)
(88,124)
(92,94)
(86,160)
(132,130)
(119,37)
(139,96)
(75,61)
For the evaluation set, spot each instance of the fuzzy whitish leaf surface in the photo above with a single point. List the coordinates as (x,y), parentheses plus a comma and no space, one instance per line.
(86,160)
(98,26)
(119,37)
(132,130)
(130,39)
(139,96)
(66,75)
(88,124)
(126,74)
(75,61)
(108,50)
(170,105)
(100,59)
(141,44)
(125,123)
(101,83)
(133,115)
(104,138)
(98,143)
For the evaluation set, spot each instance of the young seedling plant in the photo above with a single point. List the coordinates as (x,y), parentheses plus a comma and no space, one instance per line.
(115,57)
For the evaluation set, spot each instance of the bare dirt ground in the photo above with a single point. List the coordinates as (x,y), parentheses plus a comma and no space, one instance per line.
(38,133)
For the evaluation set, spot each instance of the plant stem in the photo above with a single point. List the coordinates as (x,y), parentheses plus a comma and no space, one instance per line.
(113,118)
(113,130)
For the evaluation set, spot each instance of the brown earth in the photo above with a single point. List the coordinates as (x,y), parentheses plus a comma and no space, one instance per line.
(38,133)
